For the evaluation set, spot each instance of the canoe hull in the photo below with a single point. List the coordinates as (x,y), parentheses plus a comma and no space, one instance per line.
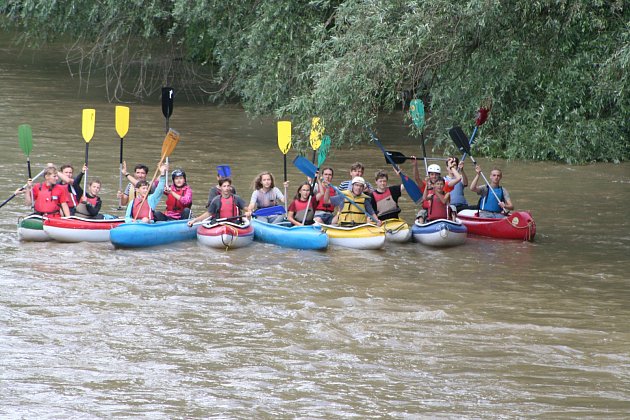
(365,236)
(518,225)
(142,235)
(31,229)
(396,230)
(297,237)
(77,229)
(225,235)
(440,233)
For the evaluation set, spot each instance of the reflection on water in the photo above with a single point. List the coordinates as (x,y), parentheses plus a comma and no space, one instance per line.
(489,329)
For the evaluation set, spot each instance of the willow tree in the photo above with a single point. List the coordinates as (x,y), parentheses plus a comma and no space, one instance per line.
(556,70)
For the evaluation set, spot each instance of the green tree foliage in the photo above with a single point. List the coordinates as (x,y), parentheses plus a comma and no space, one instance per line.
(556,70)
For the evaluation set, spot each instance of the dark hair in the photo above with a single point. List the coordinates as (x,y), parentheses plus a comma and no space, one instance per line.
(297,195)
(145,168)
(225,179)
(326,168)
(357,165)
(94,181)
(142,184)
(257,184)
(67,165)
(381,174)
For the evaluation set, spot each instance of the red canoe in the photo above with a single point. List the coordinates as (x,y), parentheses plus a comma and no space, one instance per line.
(517,225)
(225,234)
(77,229)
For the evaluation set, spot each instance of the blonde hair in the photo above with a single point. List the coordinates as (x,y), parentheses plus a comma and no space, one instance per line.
(257,183)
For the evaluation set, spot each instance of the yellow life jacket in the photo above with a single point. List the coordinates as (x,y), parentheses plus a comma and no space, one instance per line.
(350,214)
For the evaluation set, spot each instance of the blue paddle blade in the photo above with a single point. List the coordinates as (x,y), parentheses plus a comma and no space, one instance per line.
(269,211)
(305,166)
(224,171)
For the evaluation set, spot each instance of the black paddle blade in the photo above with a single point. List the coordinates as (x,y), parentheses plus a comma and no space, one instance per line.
(167,101)
(460,139)
(397,157)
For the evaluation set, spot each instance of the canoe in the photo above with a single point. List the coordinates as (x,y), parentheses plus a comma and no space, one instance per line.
(439,233)
(517,225)
(396,230)
(31,229)
(140,235)
(225,235)
(298,237)
(78,229)
(364,236)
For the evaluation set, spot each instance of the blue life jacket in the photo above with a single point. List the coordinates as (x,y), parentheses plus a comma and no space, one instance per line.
(488,202)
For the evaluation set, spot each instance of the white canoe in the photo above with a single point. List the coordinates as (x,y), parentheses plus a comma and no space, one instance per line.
(364,236)
(440,233)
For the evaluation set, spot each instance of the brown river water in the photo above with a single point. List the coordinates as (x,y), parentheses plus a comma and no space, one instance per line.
(490,329)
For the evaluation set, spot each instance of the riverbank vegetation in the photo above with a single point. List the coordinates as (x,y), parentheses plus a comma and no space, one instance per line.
(555,70)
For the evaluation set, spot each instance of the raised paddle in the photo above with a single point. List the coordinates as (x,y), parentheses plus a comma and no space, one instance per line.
(324,147)
(416,109)
(284,144)
(168,95)
(87,129)
(22,188)
(265,211)
(224,171)
(25,138)
(461,141)
(122,126)
(310,170)
(317,130)
(482,116)
(410,186)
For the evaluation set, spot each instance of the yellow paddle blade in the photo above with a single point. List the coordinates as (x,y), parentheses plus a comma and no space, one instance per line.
(284,136)
(317,131)
(122,120)
(89,119)
(170,141)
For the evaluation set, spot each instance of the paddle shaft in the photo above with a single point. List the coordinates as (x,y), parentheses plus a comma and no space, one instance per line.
(22,188)
(85,177)
(120,174)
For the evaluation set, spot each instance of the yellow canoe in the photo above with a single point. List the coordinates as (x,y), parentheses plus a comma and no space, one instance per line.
(365,236)
(396,230)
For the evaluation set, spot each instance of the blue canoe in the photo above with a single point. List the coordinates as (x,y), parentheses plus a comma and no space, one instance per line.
(298,237)
(140,235)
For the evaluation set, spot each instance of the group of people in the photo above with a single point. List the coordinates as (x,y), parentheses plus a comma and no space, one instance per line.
(354,202)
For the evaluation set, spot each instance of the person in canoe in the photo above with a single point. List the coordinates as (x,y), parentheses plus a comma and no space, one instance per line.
(437,202)
(266,194)
(324,211)
(49,198)
(178,198)
(492,204)
(142,207)
(434,172)
(458,198)
(75,191)
(224,206)
(301,208)
(385,198)
(357,169)
(139,174)
(353,212)
(223,171)
(90,204)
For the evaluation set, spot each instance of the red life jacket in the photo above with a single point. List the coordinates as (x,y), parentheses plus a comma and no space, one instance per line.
(326,206)
(385,203)
(82,208)
(437,210)
(302,207)
(228,208)
(174,205)
(141,209)
(48,199)
(72,197)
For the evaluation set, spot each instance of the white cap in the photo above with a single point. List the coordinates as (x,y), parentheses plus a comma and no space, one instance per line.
(358,180)
(434,168)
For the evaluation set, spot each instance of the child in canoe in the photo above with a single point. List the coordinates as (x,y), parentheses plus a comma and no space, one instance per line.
(301,208)
(224,206)
(142,207)
(90,204)
(49,198)
(436,202)
(266,194)
(178,199)
(385,198)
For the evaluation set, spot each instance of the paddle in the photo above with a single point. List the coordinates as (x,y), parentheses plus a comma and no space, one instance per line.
(416,109)
(265,211)
(317,130)
(310,170)
(410,186)
(87,129)
(22,188)
(122,126)
(284,143)
(168,95)
(324,147)
(461,141)
(25,138)
(482,116)
(224,171)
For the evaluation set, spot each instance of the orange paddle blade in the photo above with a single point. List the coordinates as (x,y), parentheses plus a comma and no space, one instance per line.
(170,141)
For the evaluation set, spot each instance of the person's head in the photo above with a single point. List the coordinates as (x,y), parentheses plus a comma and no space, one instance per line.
(438,184)
(303,191)
(452,162)
(327,174)
(67,170)
(495,176)
(179,177)
(381,178)
(264,180)
(434,172)
(357,169)
(50,175)
(140,171)
(94,187)
(142,187)
(225,185)
(358,185)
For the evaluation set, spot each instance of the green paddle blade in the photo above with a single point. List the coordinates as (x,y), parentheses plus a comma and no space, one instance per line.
(25,136)
(416,109)
(324,147)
